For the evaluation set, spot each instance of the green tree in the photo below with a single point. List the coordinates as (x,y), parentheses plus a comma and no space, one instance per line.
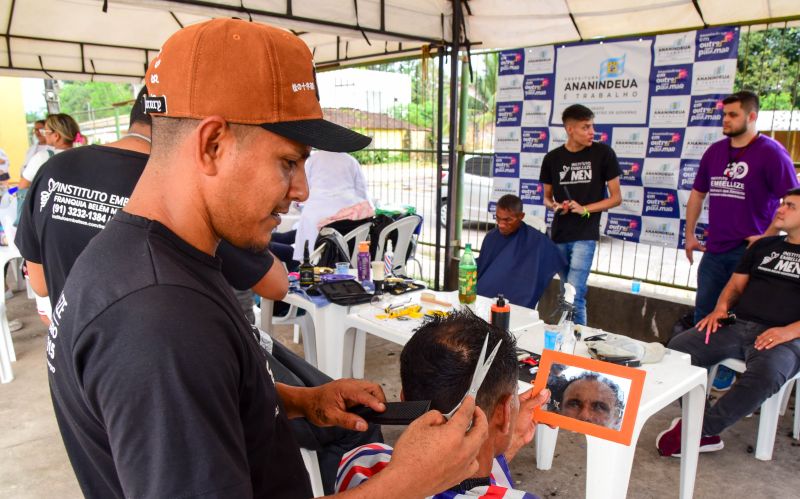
(769,64)
(92,99)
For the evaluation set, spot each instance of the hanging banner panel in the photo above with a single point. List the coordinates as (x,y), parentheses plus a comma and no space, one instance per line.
(657,102)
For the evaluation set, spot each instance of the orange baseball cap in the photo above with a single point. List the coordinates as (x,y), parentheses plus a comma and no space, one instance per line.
(247,73)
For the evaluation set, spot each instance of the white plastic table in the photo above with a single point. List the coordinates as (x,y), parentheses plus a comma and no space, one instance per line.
(608,464)
(335,327)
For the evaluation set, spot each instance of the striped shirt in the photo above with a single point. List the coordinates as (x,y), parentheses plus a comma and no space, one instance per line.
(363,462)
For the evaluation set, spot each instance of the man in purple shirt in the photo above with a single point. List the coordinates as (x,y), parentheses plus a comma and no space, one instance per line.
(744,176)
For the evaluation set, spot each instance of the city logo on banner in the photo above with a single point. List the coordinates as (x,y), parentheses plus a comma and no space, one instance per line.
(625,227)
(669,112)
(713,77)
(717,43)
(509,113)
(531,192)
(700,232)
(507,139)
(674,49)
(631,171)
(531,165)
(672,80)
(535,113)
(602,133)
(688,171)
(506,165)
(661,172)
(706,110)
(534,139)
(612,79)
(535,210)
(632,201)
(665,143)
(660,231)
(509,88)
(539,60)
(698,139)
(630,141)
(538,87)
(503,186)
(510,62)
(661,203)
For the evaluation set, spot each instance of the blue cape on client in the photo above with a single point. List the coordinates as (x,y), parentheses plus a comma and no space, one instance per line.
(519,266)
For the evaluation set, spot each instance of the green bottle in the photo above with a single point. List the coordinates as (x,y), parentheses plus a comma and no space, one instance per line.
(467,277)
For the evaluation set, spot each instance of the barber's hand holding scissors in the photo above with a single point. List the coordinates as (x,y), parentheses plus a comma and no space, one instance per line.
(526,426)
(435,453)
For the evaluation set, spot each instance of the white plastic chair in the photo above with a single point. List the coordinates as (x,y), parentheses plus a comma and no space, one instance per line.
(405,229)
(771,409)
(312,465)
(359,234)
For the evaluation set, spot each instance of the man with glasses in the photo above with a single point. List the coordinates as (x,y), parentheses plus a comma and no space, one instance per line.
(39,143)
(516,260)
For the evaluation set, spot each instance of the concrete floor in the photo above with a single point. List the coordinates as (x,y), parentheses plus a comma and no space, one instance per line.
(33,463)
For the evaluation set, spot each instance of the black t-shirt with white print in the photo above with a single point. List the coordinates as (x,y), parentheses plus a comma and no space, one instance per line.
(159,385)
(772,294)
(584,174)
(72,198)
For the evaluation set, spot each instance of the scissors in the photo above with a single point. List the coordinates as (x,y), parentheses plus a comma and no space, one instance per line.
(481,369)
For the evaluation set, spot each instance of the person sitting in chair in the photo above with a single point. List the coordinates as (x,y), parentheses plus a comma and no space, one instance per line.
(516,260)
(764,291)
(437,365)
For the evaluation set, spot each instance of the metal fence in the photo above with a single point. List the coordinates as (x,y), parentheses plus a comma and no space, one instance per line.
(400,165)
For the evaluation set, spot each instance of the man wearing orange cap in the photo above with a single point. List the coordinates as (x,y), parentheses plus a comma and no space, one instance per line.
(159,385)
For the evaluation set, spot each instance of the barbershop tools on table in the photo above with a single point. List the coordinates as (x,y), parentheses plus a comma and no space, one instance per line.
(431,298)
(481,369)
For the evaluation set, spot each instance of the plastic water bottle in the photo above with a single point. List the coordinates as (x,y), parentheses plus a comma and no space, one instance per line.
(388,259)
(363,261)
(467,277)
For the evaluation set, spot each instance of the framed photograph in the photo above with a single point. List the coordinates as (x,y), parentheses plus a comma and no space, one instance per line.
(589,396)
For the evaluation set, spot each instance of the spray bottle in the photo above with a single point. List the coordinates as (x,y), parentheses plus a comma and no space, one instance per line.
(501,313)
(565,324)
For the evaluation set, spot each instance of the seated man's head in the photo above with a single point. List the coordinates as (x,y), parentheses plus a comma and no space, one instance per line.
(593,398)
(438,362)
(508,214)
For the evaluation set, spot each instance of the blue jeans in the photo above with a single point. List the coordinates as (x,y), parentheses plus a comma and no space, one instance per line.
(713,274)
(579,255)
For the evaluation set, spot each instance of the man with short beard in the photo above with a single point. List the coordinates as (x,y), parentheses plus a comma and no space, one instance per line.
(744,177)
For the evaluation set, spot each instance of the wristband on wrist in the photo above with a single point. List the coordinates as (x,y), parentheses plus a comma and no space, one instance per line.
(585,213)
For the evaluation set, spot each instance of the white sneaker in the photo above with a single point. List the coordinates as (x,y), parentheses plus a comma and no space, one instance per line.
(15,325)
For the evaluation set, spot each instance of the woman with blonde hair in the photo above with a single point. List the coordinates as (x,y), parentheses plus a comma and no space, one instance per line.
(60,132)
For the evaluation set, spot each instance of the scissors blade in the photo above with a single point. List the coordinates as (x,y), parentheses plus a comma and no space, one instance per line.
(482,370)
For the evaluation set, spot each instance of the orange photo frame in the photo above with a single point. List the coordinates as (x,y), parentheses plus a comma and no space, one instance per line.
(636,376)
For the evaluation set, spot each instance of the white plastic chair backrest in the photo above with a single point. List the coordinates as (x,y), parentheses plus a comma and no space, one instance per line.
(358,234)
(316,254)
(329,231)
(405,228)
(537,223)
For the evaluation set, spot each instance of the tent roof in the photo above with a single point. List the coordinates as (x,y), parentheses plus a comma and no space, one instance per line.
(73,39)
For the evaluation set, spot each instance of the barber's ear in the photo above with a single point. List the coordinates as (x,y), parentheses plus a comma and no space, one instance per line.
(211,138)
(402,396)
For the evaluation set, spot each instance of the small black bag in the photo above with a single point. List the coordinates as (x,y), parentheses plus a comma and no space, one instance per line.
(348,292)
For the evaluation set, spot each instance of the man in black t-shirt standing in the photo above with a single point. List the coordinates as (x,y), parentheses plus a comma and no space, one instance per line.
(159,386)
(764,292)
(575,176)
